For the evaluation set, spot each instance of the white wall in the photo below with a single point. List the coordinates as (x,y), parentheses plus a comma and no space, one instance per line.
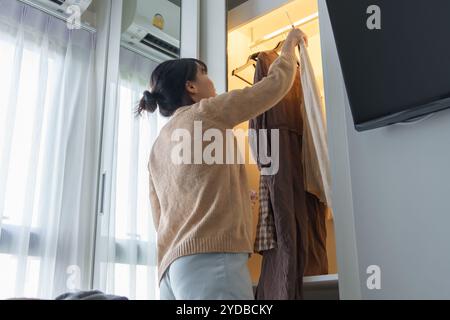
(213,41)
(391,191)
(348,270)
(190,29)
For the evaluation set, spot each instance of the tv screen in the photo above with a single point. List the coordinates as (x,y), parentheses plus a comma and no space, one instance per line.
(395,58)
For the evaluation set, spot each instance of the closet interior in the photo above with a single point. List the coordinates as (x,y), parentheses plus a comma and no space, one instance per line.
(265,33)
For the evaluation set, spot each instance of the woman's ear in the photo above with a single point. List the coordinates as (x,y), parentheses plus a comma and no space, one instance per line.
(191,88)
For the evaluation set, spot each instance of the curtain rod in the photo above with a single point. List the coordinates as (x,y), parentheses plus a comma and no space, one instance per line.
(56,14)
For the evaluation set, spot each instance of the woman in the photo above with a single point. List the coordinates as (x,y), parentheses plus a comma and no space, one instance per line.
(202,211)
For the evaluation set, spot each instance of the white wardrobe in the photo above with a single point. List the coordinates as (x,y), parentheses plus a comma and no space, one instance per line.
(390,186)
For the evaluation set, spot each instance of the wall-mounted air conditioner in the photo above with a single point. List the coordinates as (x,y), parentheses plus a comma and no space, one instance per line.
(141,36)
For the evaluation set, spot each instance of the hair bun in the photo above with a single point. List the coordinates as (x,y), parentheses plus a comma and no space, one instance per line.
(149,102)
(149,97)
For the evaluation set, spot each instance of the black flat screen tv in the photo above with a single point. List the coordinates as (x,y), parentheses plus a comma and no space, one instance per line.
(395,58)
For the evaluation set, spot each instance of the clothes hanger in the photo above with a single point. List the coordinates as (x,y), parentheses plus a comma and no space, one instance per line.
(251,61)
(239,77)
(279,46)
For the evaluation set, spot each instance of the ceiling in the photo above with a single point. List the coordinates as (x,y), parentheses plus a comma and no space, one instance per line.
(176,2)
(234,3)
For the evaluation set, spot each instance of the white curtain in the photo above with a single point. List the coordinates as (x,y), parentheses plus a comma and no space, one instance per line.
(48,154)
(127,255)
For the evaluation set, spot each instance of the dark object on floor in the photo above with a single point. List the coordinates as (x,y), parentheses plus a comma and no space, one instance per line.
(88,295)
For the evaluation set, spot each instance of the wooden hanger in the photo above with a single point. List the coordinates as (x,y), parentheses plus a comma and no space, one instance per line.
(279,46)
(251,61)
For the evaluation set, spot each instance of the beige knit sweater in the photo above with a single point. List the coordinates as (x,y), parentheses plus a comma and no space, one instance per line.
(201,208)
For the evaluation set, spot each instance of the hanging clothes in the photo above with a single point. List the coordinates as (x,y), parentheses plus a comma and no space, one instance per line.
(266,237)
(316,160)
(298,245)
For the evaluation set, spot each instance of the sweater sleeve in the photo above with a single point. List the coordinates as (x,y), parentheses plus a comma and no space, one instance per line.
(237,106)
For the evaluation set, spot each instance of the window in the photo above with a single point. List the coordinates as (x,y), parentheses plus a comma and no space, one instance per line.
(47,152)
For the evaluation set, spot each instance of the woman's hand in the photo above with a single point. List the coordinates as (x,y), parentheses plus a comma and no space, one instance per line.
(294,38)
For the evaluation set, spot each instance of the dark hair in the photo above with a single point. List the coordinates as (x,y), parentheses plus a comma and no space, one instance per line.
(168,86)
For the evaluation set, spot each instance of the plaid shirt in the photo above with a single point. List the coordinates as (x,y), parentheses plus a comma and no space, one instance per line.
(266,237)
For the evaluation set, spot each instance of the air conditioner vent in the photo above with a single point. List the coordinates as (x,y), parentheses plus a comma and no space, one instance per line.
(58,2)
(158,44)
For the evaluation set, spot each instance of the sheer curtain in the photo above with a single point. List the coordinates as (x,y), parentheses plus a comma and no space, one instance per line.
(48,154)
(127,255)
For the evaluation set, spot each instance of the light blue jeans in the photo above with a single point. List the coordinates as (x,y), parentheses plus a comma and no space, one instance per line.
(208,276)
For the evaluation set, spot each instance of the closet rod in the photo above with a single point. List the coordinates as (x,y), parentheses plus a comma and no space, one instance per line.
(56,14)
(286,29)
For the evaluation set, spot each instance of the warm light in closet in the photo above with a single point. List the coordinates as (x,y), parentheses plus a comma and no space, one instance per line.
(287,28)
